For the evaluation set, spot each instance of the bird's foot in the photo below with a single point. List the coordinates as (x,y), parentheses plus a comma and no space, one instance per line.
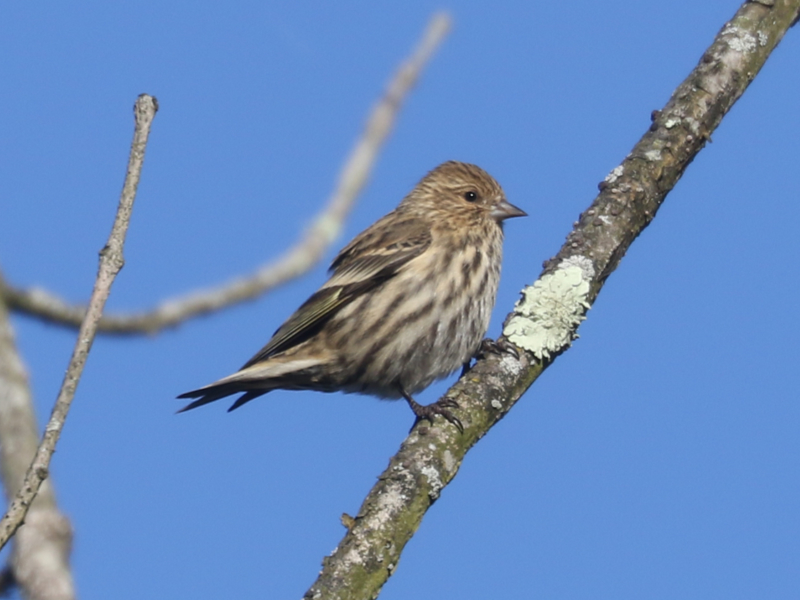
(490,346)
(501,346)
(427,412)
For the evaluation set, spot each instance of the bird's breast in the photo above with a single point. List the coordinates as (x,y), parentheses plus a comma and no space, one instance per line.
(420,325)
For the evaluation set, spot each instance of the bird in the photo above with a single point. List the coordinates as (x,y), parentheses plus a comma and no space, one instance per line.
(408,302)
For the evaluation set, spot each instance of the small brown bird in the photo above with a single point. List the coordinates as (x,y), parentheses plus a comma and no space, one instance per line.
(408,301)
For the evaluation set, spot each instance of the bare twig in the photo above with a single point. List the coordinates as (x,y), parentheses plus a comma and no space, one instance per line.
(546,320)
(111,261)
(295,261)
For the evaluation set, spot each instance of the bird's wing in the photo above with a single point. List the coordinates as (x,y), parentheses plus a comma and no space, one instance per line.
(370,259)
(381,250)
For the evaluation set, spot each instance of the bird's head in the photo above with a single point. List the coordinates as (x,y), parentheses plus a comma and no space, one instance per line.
(461,190)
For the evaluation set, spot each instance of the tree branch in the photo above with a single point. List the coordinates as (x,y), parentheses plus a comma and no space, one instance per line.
(295,261)
(39,563)
(111,261)
(545,321)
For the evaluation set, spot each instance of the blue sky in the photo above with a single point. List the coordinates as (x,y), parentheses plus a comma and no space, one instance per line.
(658,458)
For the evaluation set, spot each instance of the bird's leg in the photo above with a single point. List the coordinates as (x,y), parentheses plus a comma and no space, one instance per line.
(490,346)
(437,408)
(465,368)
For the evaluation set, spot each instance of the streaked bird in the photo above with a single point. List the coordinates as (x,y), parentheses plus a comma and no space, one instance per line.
(408,301)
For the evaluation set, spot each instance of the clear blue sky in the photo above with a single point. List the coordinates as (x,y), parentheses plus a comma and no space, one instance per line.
(658,458)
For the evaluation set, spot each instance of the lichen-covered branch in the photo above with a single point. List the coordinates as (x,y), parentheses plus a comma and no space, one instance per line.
(111,261)
(296,261)
(546,319)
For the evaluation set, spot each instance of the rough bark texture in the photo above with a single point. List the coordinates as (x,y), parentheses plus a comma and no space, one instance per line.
(546,319)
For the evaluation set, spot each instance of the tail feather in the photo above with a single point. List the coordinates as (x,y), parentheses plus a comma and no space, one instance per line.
(254,381)
(246,398)
(213,392)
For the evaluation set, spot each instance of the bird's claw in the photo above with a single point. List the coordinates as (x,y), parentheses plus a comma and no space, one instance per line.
(500,346)
(427,412)
(490,346)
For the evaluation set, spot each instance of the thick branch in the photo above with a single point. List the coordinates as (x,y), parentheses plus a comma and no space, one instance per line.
(40,559)
(546,320)
(111,261)
(297,260)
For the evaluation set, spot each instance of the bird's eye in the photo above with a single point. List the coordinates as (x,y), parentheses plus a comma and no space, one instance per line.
(470,196)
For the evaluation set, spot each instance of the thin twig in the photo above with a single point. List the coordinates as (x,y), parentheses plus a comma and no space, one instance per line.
(296,261)
(111,261)
(545,321)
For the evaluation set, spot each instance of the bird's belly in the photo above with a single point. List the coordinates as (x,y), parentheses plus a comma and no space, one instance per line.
(431,337)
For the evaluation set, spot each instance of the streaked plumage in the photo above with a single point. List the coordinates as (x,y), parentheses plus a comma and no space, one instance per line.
(408,300)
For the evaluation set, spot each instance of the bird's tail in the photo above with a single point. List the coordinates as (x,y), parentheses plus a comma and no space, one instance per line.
(255,380)
(213,392)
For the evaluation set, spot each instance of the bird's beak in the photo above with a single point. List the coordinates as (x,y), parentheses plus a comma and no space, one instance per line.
(506,210)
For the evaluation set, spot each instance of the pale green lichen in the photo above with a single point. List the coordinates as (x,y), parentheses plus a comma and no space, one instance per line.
(434,480)
(549,312)
(739,40)
(653,155)
(614,175)
(449,462)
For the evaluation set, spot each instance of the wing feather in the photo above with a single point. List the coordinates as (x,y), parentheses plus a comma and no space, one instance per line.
(373,257)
